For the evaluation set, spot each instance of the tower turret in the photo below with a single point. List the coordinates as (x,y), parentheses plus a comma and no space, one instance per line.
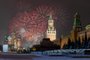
(76,27)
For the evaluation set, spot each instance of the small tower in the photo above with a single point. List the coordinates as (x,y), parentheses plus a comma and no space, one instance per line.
(51,31)
(76,27)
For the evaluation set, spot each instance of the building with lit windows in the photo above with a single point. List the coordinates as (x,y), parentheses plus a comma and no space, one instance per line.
(51,31)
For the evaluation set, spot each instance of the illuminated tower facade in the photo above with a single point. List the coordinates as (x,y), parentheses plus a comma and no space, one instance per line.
(51,31)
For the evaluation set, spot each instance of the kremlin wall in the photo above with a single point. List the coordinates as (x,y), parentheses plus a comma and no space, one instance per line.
(77,32)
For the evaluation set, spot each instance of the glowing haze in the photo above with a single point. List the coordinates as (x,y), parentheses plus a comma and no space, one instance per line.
(31,16)
(31,25)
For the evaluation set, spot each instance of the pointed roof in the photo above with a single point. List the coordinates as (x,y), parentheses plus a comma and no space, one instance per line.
(76,15)
(77,22)
(50,16)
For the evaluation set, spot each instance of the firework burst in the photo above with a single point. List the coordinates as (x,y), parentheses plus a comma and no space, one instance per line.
(31,24)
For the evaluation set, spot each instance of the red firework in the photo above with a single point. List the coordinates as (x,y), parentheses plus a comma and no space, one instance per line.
(33,22)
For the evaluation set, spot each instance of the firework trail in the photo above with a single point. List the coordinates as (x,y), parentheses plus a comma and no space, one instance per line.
(31,25)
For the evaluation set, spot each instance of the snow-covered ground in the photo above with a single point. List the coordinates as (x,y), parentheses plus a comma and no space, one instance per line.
(59,58)
(47,58)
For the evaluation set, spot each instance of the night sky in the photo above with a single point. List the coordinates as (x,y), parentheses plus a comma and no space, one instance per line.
(9,8)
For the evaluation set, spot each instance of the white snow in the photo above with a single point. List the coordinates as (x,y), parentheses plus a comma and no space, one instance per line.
(59,58)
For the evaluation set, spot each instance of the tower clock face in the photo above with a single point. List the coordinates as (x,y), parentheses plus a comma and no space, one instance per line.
(50,22)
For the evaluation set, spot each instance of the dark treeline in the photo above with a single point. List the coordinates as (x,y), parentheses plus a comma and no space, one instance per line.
(78,44)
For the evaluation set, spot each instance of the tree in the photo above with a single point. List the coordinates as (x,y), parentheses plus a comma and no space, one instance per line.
(89,43)
(86,41)
(65,46)
(60,42)
(1,48)
(83,42)
(69,43)
(79,43)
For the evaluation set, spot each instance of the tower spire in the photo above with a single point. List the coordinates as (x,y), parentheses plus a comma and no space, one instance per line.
(50,17)
(77,22)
